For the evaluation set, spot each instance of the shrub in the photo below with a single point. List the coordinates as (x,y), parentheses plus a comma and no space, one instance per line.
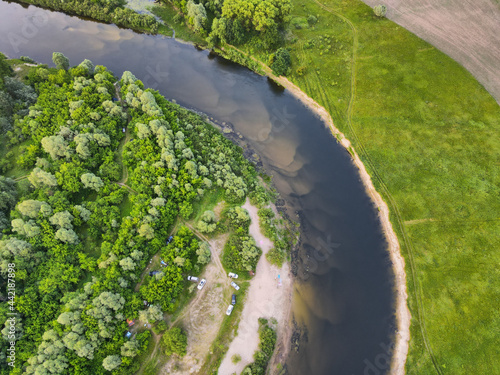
(281,62)
(301,70)
(175,341)
(311,20)
(27,59)
(380,10)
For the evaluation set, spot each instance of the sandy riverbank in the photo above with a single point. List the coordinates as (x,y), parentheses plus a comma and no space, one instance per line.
(264,299)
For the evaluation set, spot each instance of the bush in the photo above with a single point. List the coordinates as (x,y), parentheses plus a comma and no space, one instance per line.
(281,62)
(160,327)
(301,70)
(238,217)
(27,59)
(178,18)
(175,341)
(267,344)
(311,20)
(380,10)
(240,252)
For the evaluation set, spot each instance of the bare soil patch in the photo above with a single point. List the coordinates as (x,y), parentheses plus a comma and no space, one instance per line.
(203,317)
(466,30)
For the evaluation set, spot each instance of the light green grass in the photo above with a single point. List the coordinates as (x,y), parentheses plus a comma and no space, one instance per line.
(429,135)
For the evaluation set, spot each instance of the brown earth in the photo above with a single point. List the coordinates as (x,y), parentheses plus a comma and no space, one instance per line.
(466,30)
(203,317)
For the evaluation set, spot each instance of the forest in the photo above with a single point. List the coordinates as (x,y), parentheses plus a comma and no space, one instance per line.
(257,24)
(110,167)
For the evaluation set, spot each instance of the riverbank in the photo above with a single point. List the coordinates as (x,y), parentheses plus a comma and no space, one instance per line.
(403,315)
(269,296)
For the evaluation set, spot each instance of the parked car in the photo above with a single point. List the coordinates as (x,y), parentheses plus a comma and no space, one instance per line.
(233,299)
(233,275)
(193,278)
(229,310)
(170,239)
(152,273)
(202,284)
(234,285)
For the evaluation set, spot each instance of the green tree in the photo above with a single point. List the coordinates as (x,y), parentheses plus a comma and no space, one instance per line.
(203,253)
(61,61)
(380,10)
(91,181)
(32,208)
(175,341)
(281,62)
(111,362)
(39,178)
(197,15)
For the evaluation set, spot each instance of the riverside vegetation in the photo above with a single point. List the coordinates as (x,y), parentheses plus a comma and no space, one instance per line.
(80,231)
(428,135)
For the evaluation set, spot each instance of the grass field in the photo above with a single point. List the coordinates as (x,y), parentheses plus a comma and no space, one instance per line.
(428,133)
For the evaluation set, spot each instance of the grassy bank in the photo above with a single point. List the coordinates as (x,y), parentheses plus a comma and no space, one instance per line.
(428,134)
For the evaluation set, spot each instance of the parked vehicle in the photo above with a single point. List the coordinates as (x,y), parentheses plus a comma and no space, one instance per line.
(233,299)
(170,239)
(193,278)
(233,275)
(152,273)
(202,284)
(229,310)
(234,285)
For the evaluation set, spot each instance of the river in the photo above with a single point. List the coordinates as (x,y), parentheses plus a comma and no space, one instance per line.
(344,289)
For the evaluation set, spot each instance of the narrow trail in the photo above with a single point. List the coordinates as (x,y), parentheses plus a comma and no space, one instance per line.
(21,178)
(126,187)
(394,208)
(124,179)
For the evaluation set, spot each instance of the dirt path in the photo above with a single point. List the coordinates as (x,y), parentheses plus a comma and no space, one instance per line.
(466,30)
(125,140)
(214,248)
(264,299)
(203,317)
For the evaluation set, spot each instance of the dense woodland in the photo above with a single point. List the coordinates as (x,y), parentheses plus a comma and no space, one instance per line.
(261,24)
(79,239)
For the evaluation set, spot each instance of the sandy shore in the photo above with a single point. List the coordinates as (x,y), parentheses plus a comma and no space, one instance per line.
(264,299)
